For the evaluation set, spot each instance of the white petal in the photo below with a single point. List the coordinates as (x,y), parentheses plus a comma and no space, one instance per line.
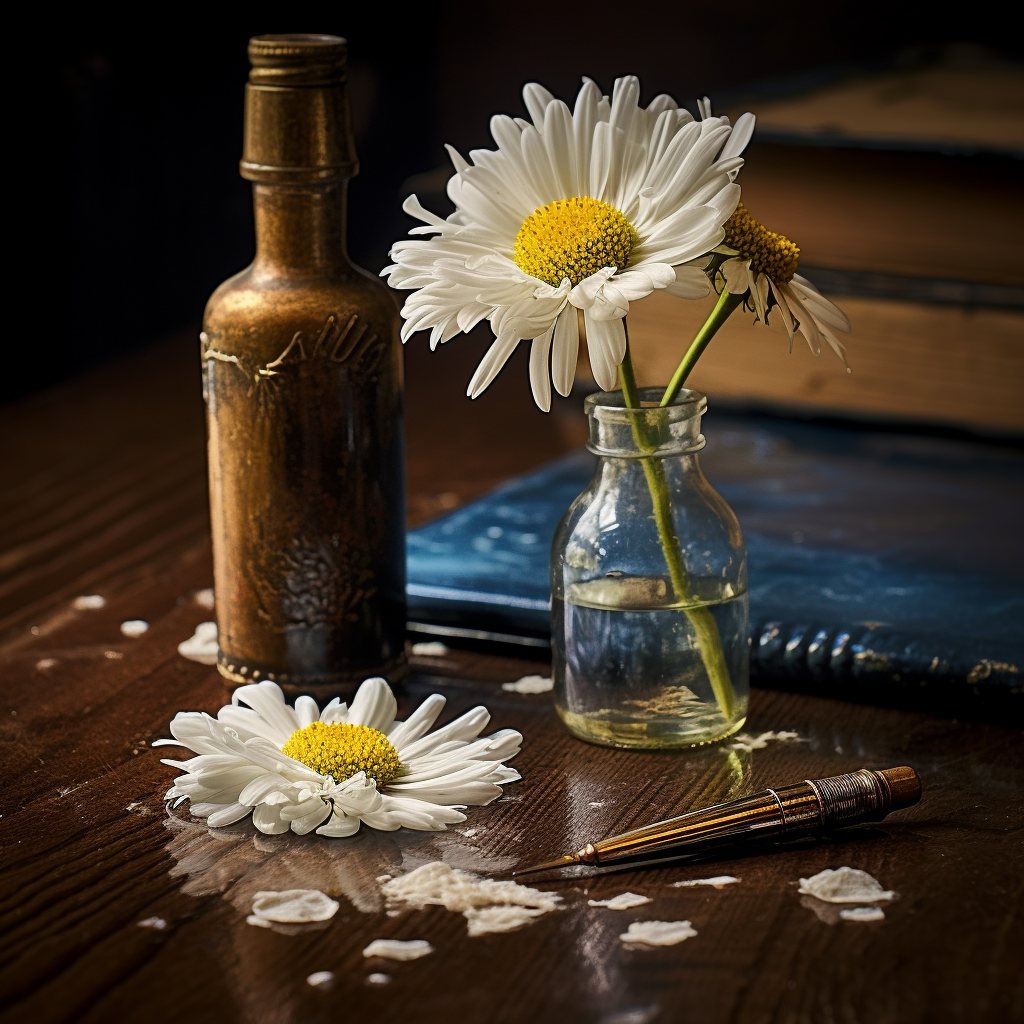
(661,103)
(374,705)
(339,826)
(759,296)
(603,164)
(606,344)
(307,711)
(415,208)
(825,311)
(835,344)
(267,700)
(466,727)
(312,806)
(739,137)
(807,327)
(561,150)
(267,818)
(257,791)
(536,99)
(197,731)
(585,117)
(334,712)
(545,186)
(638,282)
(459,162)
(540,376)
(305,824)
(689,283)
(787,315)
(735,274)
(625,103)
(496,357)
(248,724)
(566,350)
(357,795)
(228,815)
(417,724)
(398,812)
(465,792)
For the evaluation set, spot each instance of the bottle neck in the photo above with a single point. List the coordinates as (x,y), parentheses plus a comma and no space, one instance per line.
(300,229)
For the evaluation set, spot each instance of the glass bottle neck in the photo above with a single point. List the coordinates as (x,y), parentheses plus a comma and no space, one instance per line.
(300,229)
(650,431)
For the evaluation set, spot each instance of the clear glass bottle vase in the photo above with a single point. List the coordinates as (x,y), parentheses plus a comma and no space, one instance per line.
(649,586)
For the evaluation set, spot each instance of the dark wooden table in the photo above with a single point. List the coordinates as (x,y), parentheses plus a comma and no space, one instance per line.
(104,492)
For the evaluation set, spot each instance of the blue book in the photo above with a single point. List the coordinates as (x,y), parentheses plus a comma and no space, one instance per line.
(884,566)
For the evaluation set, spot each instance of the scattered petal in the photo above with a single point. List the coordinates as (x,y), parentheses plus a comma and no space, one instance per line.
(718,882)
(624,901)
(378,979)
(204,598)
(438,884)
(490,920)
(202,645)
(399,949)
(157,923)
(429,649)
(134,627)
(844,885)
(530,684)
(88,602)
(744,741)
(321,979)
(658,933)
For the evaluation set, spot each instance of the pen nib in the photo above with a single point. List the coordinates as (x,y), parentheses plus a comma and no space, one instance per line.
(562,862)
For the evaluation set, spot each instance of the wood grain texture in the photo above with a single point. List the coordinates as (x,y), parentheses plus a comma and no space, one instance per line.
(107,497)
(911,362)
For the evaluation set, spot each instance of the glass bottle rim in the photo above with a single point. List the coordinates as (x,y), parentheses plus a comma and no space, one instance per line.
(686,404)
(652,430)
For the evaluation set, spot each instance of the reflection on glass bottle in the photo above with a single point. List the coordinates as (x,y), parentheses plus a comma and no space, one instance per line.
(303,383)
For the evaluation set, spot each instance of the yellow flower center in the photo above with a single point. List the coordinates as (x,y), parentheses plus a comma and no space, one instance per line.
(573,238)
(342,750)
(769,253)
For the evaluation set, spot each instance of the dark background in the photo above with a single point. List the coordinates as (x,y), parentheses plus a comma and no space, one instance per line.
(134,210)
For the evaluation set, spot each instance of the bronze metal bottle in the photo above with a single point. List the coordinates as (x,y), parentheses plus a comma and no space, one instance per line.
(302,376)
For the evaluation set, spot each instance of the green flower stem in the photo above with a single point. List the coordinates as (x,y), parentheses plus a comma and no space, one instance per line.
(709,640)
(726,304)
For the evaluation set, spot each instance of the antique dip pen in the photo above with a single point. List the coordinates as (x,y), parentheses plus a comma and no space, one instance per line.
(805,809)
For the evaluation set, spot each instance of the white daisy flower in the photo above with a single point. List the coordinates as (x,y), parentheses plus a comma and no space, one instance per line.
(589,210)
(761,269)
(303,769)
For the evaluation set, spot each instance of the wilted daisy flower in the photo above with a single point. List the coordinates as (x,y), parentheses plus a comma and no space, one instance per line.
(589,210)
(762,268)
(302,768)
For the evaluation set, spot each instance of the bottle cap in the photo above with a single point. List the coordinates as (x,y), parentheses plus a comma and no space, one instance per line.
(298,127)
